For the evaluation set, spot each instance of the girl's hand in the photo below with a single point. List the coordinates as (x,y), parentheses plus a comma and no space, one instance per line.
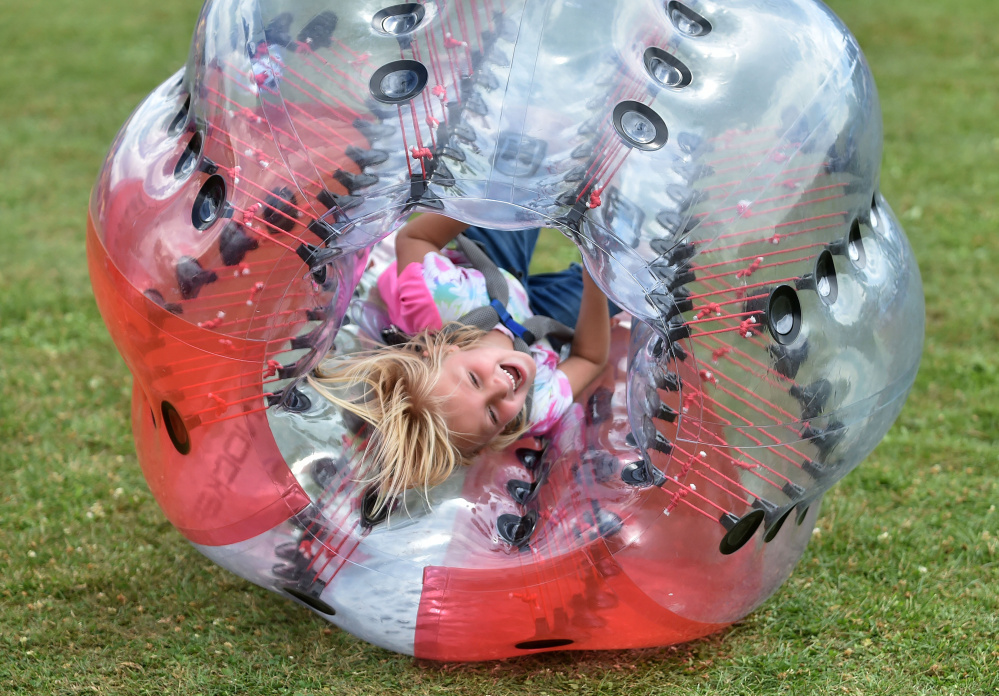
(422,235)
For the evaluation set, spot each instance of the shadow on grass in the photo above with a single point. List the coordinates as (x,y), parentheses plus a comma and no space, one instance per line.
(686,658)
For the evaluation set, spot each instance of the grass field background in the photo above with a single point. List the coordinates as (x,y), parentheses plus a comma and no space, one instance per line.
(897,593)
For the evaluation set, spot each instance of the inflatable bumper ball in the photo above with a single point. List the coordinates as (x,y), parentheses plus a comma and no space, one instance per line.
(717,166)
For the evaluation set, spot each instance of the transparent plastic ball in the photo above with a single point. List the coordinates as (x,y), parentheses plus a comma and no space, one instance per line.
(717,166)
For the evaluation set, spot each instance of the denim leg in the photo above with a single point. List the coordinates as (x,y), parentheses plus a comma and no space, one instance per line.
(557,295)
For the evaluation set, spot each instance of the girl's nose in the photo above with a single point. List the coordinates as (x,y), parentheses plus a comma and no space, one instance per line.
(500,385)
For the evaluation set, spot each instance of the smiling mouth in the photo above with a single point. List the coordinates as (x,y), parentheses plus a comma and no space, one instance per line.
(514,375)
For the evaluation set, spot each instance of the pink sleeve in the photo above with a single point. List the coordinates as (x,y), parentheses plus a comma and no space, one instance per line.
(407,297)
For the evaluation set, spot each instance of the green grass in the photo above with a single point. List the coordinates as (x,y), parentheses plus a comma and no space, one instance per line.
(897,594)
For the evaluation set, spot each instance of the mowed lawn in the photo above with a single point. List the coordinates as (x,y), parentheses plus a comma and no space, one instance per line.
(897,593)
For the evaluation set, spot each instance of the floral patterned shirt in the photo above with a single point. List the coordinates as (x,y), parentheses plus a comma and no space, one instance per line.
(443,289)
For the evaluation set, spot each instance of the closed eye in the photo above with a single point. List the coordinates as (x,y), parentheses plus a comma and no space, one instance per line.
(493,418)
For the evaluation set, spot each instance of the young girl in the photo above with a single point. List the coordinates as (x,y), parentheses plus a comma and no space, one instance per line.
(454,390)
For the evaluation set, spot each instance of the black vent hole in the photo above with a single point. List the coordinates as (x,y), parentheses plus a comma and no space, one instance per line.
(826,284)
(312,602)
(855,246)
(686,20)
(175,428)
(209,202)
(640,126)
(398,82)
(784,314)
(544,643)
(179,122)
(666,69)
(399,19)
(188,161)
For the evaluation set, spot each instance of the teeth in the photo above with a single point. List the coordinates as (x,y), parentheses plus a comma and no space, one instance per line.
(513,380)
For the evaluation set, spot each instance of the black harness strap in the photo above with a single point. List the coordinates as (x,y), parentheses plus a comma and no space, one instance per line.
(495,312)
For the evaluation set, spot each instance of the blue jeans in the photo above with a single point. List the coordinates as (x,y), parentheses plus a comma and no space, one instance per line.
(557,295)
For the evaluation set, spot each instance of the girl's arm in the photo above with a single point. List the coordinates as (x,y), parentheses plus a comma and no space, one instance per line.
(591,343)
(423,234)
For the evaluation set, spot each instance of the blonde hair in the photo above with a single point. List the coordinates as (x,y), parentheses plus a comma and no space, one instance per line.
(392,389)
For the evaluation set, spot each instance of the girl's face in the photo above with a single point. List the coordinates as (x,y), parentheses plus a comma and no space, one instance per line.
(484,388)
